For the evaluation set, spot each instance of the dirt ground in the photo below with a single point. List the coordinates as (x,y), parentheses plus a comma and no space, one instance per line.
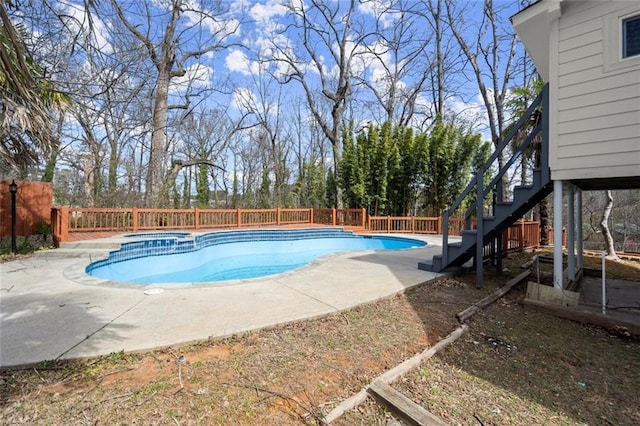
(514,367)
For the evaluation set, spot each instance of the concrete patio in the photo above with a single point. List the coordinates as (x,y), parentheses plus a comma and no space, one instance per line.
(50,309)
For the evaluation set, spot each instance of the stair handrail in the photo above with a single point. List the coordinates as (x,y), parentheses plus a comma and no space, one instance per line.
(519,151)
(478,179)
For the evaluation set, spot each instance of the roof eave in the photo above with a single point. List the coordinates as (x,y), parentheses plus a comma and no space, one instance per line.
(533,26)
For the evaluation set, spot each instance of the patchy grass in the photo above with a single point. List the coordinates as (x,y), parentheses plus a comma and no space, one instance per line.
(515,366)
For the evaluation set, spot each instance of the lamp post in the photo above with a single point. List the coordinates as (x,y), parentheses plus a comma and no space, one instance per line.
(13,188)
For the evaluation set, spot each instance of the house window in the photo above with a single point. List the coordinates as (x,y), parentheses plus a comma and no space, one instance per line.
(631,36)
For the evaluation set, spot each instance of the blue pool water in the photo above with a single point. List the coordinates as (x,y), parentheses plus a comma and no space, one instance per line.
(235,255)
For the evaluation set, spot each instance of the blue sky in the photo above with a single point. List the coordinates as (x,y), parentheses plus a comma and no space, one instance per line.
(251,32)
(252,28)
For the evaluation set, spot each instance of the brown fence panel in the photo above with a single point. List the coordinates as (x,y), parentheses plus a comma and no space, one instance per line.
(155,219)
(350,217)
(323,216)
(99,220)
(217,218)
(258,217)
(33,207)
(427,225)
(294,216)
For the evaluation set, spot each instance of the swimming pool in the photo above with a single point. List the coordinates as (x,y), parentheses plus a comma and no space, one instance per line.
(235,255)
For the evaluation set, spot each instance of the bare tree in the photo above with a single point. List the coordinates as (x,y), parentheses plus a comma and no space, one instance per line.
(328,44)
(174,38)
(395,65)
(604,227)
(205,135)
(490,55)
(265,103)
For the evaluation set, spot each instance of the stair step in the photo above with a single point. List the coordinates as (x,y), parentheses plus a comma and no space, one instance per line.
(504,214)
(427,265)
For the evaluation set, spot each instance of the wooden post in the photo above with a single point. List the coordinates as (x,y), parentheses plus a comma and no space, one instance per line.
(412,224)
(364,217)
(196,218)
(439,225)
(278,216)
(64,224)
(388,224)
(134,221)
(521,236)
(311,215)
(505,240)
(238,218)
(333,213)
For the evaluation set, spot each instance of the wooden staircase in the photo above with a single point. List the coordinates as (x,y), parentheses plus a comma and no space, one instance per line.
(497,215)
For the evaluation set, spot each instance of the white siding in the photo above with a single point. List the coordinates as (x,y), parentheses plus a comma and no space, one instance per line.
(597,104)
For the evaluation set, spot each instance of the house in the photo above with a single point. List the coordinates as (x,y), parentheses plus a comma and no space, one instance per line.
(588,52)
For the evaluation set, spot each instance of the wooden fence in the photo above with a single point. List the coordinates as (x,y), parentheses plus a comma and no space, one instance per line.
(522,234)
(69,220)
(33,207)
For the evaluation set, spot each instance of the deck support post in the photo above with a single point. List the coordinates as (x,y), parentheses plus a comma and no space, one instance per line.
(479,228)
(571,228)
(557,234)
(579,228)
(498,252)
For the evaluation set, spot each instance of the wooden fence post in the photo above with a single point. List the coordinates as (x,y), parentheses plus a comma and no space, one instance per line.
(238,218)
(364,217)
(311,215)
(412,224)
(439,225)
(134,219)
(333,214)
(196,218)
(505,240)
(278,216)
(521,236)
(64,224)
(388,224)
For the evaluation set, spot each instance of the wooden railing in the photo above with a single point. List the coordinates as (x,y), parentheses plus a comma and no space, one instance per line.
(520,235)
(341,217)
(69,220)
(415,225)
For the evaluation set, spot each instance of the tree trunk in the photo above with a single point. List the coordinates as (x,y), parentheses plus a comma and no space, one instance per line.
(543,211)
(604,227)
(156,154)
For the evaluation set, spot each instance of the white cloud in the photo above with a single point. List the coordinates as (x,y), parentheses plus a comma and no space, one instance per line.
(243,97)
(237,61)
(216,24)
(78,21)
(379,9)
(263,13)
(472,113)
(196,75)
